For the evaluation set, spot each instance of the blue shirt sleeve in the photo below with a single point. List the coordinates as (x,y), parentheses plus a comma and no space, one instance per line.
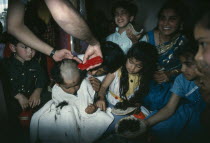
(178,87)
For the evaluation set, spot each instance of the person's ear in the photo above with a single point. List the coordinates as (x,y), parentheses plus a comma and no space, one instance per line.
(131,18)
(12,48)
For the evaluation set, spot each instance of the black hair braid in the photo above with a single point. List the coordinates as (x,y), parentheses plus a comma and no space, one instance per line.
(124,83)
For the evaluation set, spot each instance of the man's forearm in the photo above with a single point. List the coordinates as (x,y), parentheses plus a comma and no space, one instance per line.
(70,20)
(17,28)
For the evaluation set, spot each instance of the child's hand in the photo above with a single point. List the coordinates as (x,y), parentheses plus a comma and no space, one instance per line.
(101,104)
(160,77)
(91,109)
(34,99)
(23,101)
(96,84)
(132,37)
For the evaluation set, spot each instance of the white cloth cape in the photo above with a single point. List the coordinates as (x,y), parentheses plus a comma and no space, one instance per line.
(69,124)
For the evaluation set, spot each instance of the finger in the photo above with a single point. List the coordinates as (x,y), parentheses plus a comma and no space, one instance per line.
(77,59)
(30,103)
(22,106)
(67,52)
(95,88)
(138,36)
(94,81)
(104,107)
(142,30)
(39,102)
(91,79)
(97,104)
(34,104)
(86,57)
(92,67)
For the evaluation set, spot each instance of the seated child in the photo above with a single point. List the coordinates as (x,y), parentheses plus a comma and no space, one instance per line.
(71,115)
(24,75)
(130,83)
(23,81)
(179,120)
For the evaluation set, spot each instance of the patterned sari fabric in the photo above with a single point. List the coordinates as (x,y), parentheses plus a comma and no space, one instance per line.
(159,94)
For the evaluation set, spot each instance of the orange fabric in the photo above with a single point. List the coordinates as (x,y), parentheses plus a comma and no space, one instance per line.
(140,115)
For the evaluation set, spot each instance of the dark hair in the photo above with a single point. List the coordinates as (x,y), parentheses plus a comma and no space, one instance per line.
(179,8)
(189,49)
(12,40)
(128,6)
(113,56)
(204,18)
(56,72)
(147,54)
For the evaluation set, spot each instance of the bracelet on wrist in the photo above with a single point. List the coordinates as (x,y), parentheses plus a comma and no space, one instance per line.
(52,53)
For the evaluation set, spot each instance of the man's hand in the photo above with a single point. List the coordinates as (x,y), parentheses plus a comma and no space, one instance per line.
(91,52)
(65,54)
(34,99)
(96,84)
(101,104)
(23,101)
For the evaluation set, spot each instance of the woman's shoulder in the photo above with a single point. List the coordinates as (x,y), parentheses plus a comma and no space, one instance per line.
(149,37)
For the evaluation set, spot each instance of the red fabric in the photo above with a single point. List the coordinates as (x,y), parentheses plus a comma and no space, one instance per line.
(140,115)
(25,118)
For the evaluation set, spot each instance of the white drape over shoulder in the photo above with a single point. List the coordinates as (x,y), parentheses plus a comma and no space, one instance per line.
(69,123)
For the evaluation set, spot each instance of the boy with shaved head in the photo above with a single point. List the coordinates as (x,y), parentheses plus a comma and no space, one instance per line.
(68,117)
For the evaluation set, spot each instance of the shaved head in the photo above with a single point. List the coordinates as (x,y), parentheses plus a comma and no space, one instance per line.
(67,76)
(69,70)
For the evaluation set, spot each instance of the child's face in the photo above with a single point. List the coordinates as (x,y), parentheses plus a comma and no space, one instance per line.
(133,66)
(202,35)
(71,86)
(169,22)
(24,53)
(91,109)
(122,17)
(189,68)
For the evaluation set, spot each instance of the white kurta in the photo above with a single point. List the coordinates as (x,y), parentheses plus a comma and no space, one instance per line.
(121,39)
(69,123)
